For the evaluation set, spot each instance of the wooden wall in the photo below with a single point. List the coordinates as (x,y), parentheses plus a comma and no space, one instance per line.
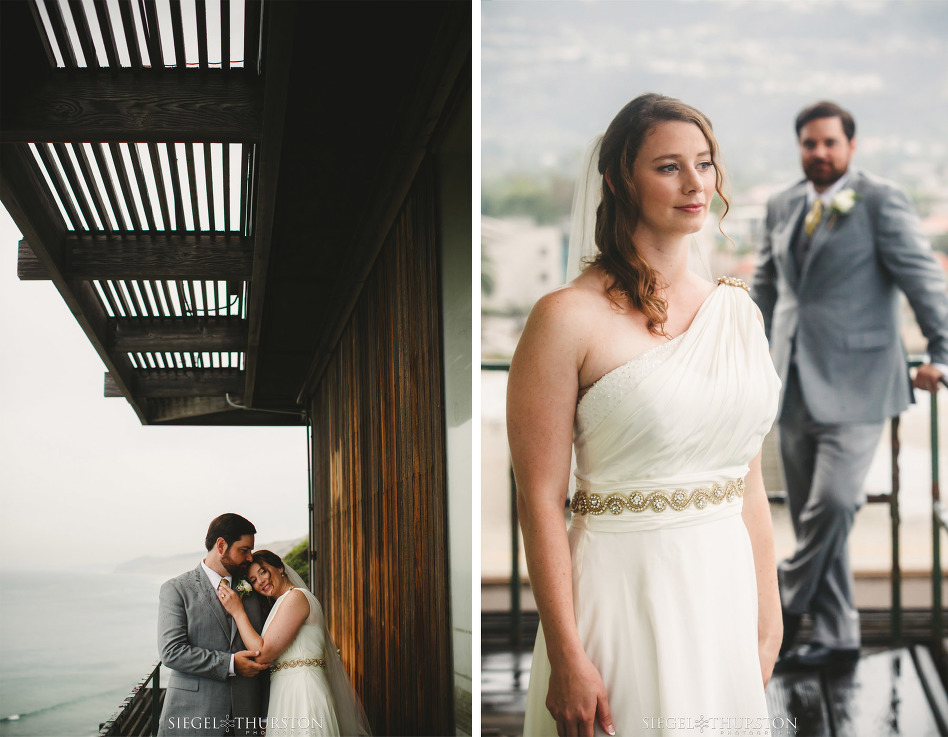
(380,522)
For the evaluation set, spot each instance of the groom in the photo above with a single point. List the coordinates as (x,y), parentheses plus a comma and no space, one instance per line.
(217,687)
(839,246)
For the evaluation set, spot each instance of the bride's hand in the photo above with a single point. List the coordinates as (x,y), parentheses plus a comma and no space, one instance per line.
(577,698)
(230,599)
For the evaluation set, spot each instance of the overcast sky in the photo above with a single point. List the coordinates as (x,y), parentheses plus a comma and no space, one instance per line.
(84,484)
(555,73)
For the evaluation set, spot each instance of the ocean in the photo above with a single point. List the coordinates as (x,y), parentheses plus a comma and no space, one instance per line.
(72,647)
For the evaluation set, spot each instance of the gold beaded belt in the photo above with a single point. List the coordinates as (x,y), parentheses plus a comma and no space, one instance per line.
(585,502)
(318,662)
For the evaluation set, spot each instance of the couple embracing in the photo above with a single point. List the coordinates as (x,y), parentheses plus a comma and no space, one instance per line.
(249,646)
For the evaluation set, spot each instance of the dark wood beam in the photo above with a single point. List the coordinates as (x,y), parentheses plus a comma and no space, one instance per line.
(159,256)
(278,52)
(189,383)
(135,106)
(28,266)
(24,195)
(211,334)
(214,411)
(186,408)
(26,57)
(148,256)
(111,390)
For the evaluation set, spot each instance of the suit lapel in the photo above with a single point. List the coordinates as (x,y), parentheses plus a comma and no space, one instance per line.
(828,227)
(208,598)
(817,241)
(786,233)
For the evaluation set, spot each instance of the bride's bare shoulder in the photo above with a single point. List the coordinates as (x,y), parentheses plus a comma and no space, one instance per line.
(297,599)
(573,303)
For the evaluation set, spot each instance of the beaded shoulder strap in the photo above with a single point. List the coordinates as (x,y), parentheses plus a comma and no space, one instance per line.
(733,281)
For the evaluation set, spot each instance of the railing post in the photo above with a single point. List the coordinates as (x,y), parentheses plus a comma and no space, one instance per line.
(896,622)
(937,626)
(155,693)
(516,634)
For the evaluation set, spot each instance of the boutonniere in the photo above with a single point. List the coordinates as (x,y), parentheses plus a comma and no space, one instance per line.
(844,201)
(243,588)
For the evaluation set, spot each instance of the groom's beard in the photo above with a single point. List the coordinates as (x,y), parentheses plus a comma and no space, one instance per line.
(822,173)
(235,568)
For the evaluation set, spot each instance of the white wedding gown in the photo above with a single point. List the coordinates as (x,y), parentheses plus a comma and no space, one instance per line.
(301,701)
(665,593)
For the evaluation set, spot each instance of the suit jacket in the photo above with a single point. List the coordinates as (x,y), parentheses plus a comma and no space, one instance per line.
(837,316)
(196,637)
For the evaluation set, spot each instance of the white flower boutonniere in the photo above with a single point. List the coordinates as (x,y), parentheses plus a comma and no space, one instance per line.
(844,201)
(243,588)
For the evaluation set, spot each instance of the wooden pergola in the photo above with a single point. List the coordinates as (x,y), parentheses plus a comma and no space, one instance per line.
(249,208)
(207,190)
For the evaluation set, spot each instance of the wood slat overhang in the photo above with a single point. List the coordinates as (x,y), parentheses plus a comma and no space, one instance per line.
(122,223)
(114,174)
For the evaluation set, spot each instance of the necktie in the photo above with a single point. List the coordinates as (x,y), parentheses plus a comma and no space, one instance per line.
(813,217)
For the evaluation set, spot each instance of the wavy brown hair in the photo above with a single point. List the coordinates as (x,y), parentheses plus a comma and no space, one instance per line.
(618,214)
(270,558)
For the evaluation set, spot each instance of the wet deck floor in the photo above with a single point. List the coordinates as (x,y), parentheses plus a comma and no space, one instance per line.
(883,695)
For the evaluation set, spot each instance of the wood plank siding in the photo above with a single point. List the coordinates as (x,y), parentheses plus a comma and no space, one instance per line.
(380,518)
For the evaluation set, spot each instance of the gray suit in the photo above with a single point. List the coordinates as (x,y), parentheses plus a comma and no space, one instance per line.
(196,638)
(833,326)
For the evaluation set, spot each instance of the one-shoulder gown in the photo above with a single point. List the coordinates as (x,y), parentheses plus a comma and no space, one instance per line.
(664,585)
(301,699)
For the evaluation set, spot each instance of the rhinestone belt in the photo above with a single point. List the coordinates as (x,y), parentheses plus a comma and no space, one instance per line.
(585,502)
(318,662)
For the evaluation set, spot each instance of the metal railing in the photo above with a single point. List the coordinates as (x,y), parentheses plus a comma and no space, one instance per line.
(516,608)
(939,522)
(140,711)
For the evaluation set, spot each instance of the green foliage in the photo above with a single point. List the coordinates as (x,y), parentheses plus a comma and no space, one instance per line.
(545,199)
(488,283)
(299,560)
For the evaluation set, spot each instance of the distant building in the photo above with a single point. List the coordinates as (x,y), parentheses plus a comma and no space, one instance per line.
(522,261)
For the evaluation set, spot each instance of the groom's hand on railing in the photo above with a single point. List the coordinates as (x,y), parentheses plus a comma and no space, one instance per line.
(246,666)
(927,378)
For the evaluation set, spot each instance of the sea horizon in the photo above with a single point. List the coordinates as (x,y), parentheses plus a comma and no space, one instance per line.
(73,647)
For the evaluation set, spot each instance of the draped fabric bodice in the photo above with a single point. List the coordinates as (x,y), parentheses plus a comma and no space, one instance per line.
(310,692)
(689,413)
(665,594)
(310,640)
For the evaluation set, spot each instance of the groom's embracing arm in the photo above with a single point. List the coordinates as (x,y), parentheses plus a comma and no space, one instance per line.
(174,646)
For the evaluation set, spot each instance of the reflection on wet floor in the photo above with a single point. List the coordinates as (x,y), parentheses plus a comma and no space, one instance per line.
(889,692)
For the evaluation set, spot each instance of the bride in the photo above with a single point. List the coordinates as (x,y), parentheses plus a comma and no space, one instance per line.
(658,606)
(310,693)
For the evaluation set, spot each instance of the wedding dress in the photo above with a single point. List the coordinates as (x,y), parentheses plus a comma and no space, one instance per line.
(310,694)
(664,585)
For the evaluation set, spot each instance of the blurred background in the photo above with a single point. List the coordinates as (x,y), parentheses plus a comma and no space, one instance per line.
(554,74)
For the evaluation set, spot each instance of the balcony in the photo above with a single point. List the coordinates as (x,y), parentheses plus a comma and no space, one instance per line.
(896,688)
